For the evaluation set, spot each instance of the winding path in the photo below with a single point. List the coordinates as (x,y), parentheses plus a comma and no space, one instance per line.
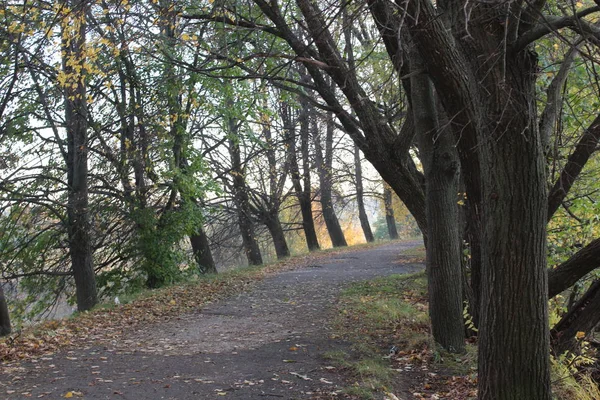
(263,344)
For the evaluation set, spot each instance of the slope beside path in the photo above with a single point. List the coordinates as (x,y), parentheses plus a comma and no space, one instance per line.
(264,343)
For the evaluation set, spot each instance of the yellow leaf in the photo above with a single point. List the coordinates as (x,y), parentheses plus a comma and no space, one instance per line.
(68,395)
(185,36)
(580,335)
(173,302)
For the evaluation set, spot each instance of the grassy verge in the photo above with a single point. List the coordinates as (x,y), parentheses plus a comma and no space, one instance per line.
(392,311)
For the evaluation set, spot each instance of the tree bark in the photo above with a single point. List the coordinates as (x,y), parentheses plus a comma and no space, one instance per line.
(443,264)
(514,328)
(202,253)
(324,167)
(5,327)
(389,212)
(274,226)
(362,214)
(583,317)
(80,247)
(576,267)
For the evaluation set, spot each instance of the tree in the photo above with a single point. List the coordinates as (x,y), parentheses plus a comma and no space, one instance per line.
(5,327)
(324,160)
(441,165)
(240,192)
(76,119)
(301,181)
(362,214)
(271,179)
(184,184)
(389,212)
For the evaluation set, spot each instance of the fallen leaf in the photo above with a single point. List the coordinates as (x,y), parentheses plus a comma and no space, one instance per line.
(304,377)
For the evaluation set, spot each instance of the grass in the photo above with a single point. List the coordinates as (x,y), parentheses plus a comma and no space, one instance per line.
(418,252)
(370,315)
(376,314)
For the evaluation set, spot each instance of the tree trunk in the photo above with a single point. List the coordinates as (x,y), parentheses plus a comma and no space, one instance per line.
(303,193)
(181,142)
(77,169)
(583,317)
(362,214)
(490,95)
(274,226)
(5,327)
(443,264)
(514,308)
(202,253)
(389,212)
(324,165)
(250,243)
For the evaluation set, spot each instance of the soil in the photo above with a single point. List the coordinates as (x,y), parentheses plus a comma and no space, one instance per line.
(266,343)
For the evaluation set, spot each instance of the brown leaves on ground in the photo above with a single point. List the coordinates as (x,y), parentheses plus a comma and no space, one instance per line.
(429,380)
(103,324)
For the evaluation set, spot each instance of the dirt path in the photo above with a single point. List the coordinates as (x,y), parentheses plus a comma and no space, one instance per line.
(263,344)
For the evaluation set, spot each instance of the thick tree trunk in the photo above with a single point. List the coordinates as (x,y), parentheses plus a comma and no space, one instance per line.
(362,214)
(274,226)
(576,267)
(389,212)
(202,253)
(514,315)
(77,169)
(583,317)
(440,162)
(5,327)
(324,167)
